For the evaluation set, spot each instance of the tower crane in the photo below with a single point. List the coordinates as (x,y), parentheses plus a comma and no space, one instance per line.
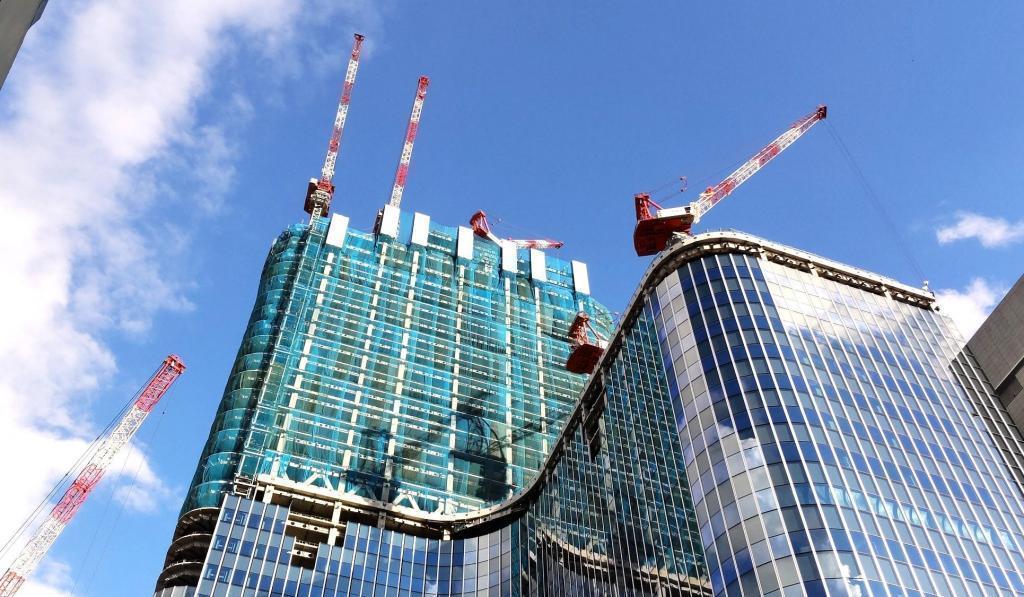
(320,192)
(90,476)
(584,354)
(654,230)
(410,137)
(483,229)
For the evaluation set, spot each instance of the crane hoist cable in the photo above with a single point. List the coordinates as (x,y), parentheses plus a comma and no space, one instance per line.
(874,199)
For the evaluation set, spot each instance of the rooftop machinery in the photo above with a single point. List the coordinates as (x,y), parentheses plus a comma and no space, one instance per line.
(320,192)
(654,230)
(482,228)
(106,449)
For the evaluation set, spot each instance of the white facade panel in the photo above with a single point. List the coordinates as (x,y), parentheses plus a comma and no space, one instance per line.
(336,230)
(465,243)
(509,257)
(420,229)
(389,221)
(580,277)
(538,265)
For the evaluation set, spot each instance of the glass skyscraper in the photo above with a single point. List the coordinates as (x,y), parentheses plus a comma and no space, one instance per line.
(835,436)
(764,422)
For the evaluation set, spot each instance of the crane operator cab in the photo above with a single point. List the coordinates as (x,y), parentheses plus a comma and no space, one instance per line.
(653,230)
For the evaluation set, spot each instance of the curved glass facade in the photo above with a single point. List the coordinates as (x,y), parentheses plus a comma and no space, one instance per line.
(398,371)
(253,369)
(829,445)
(610,516)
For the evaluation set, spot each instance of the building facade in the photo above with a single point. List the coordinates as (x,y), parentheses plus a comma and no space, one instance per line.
(16,16)
(998,347)
(412,378)
(763,422)
(836,439)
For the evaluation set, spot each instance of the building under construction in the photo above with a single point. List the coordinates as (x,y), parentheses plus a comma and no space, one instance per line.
(403,378)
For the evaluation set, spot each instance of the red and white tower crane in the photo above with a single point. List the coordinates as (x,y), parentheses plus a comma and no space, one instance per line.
(654,230)
(320,192)
(410,138)
(483,229)
(90,476)
(584,354)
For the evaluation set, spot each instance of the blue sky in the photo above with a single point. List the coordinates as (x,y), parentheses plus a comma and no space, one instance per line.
(150,155)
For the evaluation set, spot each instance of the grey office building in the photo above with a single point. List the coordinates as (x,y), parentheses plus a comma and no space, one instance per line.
(998,346)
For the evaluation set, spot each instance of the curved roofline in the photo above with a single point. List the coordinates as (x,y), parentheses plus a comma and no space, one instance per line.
(681,250)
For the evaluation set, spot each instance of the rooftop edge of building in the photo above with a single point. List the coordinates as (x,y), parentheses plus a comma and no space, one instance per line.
(414,228)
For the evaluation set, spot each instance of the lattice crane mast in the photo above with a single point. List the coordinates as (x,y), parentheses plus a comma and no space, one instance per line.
(483,229)
(320,192)
(654,230)
(410,137)
(76,494)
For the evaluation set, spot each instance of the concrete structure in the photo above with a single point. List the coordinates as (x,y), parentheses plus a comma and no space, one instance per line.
(998,349)
(16,16)
(998,346)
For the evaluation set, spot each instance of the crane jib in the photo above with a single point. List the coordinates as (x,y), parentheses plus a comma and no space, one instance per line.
(652,233)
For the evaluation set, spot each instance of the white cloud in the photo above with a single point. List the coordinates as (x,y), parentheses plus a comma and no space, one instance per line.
(141,489)
(990,232)
(52,579)
(969,307)
(101,104)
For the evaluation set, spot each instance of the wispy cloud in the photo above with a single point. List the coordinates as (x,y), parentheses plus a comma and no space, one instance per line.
(969,307)
(990,232)
(102,103)
(52,579)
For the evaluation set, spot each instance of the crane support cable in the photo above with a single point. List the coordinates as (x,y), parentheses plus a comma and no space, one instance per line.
(875,201)
(98,565)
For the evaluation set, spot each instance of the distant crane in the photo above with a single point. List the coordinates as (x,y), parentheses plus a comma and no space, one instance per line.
(654,230)
(320,192)
(410,138)
(483,229)
(108,447)
(584,354)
